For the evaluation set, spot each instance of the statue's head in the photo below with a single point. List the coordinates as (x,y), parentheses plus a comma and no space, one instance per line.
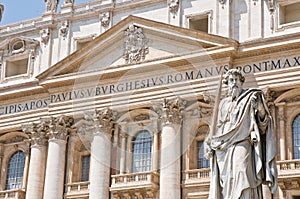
(235,72)
(234,79)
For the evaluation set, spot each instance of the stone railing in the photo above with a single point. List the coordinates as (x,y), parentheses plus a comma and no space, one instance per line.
(91,5)
(288,168)
(196,183)
(140,185)
(197,174)
(78,189)
(134,180)
(12,194)
(23,25)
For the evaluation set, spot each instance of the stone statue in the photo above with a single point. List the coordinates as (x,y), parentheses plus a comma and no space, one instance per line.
(242,146)
(51,5)
(1,10)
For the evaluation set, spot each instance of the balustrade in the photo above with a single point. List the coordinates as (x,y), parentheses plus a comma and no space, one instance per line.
(78,189)
(12,194)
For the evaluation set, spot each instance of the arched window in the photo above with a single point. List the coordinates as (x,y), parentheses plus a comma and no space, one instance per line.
(141,153)
(15,171)
(296,137)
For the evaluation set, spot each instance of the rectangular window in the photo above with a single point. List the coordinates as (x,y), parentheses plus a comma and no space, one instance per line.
(85,168)
(199,23)
(202,162)
(18,67)
(289,13)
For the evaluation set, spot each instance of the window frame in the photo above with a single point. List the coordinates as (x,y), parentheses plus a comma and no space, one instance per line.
(293,138)
(132,152)
(82,155)
(199,136)
(288,25)
(203,158)
(82,39)
(7,170)
(206,14)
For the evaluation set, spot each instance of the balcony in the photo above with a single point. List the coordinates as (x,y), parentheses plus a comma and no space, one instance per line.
(196,183)
(197,176)
(13,194)
(139,185)
(288,174)
(77,190)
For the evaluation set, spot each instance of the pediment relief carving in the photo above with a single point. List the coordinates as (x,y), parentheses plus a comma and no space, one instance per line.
(135,45)
(134,40)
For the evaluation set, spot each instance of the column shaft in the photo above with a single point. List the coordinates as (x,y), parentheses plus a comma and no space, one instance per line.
(100,166)
(54,181)
(36,174)
(170,162)
(123,155)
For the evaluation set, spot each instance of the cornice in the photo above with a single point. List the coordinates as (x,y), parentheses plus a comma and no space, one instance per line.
(269,45)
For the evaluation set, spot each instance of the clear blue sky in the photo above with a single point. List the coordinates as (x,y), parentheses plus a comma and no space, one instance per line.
(19,10)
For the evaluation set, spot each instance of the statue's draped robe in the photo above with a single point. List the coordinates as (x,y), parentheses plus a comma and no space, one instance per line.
(239,166)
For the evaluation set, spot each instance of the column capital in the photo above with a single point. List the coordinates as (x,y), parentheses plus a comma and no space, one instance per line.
(37,132)
(170,110)
(101,121)
(60,127)
(104,118)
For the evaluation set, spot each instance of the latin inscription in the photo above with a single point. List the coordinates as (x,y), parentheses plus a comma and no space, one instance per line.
(154,81)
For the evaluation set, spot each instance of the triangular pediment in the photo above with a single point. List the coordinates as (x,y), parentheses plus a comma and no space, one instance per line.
(136,40)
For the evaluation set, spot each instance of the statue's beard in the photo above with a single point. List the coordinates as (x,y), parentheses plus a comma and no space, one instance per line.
(235,92)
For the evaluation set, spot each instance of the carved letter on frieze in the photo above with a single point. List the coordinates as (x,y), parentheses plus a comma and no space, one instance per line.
(135,45)
(173,7)
(64,28)
(45,34)
(105,19)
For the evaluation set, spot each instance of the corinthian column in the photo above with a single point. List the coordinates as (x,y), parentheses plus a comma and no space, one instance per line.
(170,114)
(36,176)
(100,125)
(55,170)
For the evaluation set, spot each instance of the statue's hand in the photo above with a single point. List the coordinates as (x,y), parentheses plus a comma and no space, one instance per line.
(209,154)
(208,151)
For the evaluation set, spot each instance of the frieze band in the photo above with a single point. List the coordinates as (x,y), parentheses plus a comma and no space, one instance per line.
(166,79)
